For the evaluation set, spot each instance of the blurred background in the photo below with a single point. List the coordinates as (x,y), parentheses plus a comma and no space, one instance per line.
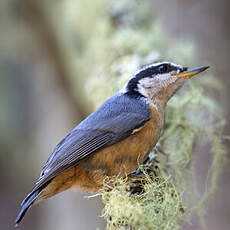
(49,50)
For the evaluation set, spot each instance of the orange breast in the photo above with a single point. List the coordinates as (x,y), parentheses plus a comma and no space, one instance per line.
(118,159)
(123,157)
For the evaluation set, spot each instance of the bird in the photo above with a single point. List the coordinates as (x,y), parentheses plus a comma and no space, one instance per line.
(113,139)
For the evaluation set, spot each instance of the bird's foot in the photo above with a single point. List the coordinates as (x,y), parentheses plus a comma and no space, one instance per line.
(109,185)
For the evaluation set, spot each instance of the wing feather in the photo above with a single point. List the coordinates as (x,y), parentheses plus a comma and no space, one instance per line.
(104,127)
(72,158)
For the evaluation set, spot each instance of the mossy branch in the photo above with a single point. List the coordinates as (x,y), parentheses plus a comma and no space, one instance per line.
(193,119)
(161,202)
(116,38)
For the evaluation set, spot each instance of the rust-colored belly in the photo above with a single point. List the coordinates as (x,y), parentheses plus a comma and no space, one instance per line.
(121,158)
(118,159)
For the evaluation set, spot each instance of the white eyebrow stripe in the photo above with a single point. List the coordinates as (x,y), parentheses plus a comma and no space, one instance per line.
(124,89)
(147,66)
(156,64)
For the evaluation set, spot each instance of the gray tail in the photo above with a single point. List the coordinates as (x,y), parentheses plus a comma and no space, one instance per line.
(27,203)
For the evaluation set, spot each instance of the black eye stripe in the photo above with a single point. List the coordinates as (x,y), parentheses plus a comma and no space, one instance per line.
(166,68)
(147,72)
(150,71)
(154,70)
(163,68)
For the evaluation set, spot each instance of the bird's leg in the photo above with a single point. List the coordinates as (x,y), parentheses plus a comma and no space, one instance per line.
(149,168)
(109,185)
(136,174)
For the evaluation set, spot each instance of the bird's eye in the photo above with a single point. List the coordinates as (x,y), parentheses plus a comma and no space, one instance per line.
(163,69)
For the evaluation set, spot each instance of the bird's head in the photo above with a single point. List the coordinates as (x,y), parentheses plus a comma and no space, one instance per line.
(159,81)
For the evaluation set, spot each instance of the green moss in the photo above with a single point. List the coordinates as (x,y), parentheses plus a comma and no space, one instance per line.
(157,207)
(192,121)
(103,43)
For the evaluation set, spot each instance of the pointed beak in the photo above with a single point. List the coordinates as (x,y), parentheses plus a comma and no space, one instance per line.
(191,72)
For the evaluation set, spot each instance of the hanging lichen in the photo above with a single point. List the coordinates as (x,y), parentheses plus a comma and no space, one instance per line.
(193,120)
(159,205)
(114,38)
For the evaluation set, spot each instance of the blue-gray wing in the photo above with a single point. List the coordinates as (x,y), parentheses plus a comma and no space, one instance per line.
(112,122)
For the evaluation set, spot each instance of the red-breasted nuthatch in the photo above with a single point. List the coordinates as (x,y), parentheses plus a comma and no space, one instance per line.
(115,137)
